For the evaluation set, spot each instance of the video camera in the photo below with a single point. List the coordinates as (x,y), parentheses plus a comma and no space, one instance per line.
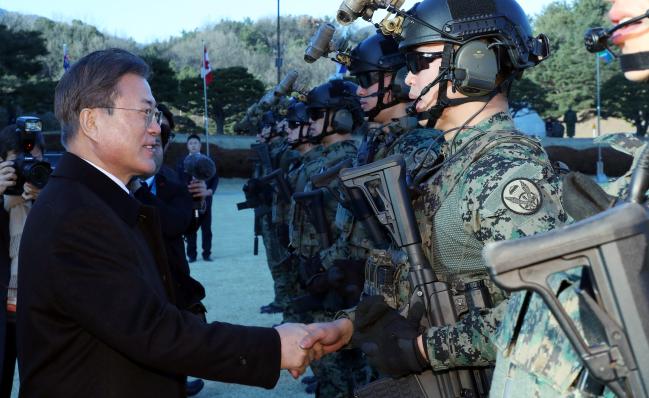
(28,168)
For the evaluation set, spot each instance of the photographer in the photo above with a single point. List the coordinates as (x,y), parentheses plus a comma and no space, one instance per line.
(17,201)
(200,190)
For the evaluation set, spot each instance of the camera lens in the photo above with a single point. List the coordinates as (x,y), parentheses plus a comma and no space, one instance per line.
(37,173)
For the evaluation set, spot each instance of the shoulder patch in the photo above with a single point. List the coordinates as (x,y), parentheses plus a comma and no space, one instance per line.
(522,196)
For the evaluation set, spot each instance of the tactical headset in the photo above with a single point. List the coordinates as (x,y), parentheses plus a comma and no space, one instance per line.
(340,104)
(487,35)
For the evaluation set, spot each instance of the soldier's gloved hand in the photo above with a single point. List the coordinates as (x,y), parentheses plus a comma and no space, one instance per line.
(325,280)
(308,269)
(388,339)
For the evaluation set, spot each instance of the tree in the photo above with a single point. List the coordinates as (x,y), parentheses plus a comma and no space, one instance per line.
(527,94)
(568,77)
(228,97)
(629,102)
(21,52)
(162,79)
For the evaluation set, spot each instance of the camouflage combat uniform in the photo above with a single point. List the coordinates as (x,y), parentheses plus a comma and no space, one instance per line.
(632,145)
(534,354)
(494,185)
(280,156)
(353,240)
(285,159)
(341,372)
(299,233)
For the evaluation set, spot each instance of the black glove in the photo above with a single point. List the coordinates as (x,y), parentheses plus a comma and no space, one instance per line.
(308,269)
(388,339)
(322,282)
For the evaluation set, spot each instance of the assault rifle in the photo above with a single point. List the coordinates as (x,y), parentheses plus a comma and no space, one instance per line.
(383,186)
(261,155)
(611,250)
(313,204)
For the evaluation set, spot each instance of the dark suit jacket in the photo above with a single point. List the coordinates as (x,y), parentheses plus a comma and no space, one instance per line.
(5,275)
(174,204)
(94,318)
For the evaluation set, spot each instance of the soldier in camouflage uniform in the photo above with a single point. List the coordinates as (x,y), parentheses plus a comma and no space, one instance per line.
(273,133)
(539,359)
(335,113)
(493,184)
(309,151)
(380,70)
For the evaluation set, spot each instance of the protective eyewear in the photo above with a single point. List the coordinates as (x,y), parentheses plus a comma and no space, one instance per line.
(367,79)
(417,61)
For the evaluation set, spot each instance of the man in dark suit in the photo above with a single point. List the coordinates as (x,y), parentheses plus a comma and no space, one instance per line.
(170,196)
(96,316)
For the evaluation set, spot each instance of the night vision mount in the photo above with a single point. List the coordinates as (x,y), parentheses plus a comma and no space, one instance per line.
(322,44)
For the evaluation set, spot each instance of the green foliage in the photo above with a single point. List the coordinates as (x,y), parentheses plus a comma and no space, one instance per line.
(20,52)
(162,79)
(629,102)
(527,94)
(230,94)
(567,78)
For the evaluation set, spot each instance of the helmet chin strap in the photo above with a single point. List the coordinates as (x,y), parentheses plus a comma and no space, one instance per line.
(302,137)
(380,94)
(433,114)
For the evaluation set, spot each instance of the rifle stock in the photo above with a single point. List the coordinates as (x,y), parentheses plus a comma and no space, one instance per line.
(612,247)
(383,186)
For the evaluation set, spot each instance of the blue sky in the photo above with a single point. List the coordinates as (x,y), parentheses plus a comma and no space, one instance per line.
(146,21)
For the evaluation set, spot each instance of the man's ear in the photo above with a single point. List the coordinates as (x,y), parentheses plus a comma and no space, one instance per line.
(88,123)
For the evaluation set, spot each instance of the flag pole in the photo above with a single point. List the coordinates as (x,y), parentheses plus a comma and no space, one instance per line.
(204,73)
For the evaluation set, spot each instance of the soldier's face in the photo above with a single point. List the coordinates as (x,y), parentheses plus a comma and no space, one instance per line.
(315,128)
(634,38)
(293,135)
(419,81)
(368,99)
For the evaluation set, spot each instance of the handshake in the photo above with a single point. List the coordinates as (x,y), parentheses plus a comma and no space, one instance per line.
(302,344)
(393,344)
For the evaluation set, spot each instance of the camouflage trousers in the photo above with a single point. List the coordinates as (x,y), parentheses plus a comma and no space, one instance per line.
(275,254)
(339,373)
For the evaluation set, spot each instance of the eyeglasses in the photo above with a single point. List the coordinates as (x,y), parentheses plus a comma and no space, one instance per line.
(150,114)
(367,79)
(316,113)
(416,61)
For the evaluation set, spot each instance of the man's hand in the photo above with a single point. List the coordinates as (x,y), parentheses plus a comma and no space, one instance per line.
(7,176)
(327,337)
(198,189)
(30,191)
(295,357)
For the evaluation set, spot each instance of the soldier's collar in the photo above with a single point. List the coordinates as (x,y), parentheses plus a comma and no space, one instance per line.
(501,121)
